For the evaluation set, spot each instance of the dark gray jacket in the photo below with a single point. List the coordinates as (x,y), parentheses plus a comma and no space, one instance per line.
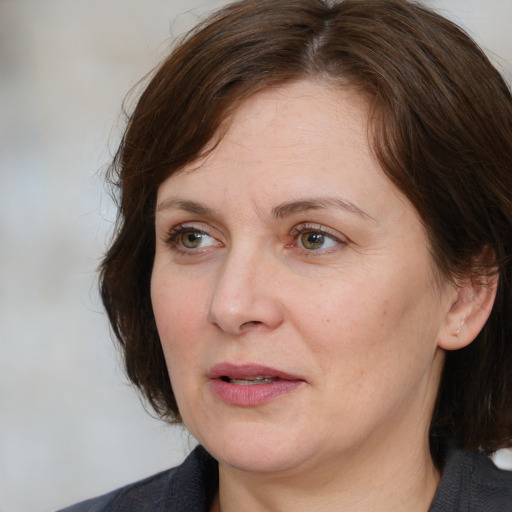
(470,483)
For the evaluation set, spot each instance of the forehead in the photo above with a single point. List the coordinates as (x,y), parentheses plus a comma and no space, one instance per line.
(287,140)
(299,126)
(296,116)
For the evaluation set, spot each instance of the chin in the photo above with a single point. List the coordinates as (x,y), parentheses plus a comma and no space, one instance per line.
(259,449)
(257,461)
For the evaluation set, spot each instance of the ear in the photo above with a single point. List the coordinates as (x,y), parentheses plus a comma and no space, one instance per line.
(474,299)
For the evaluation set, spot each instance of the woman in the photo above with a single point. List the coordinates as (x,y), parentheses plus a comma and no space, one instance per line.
(312,268)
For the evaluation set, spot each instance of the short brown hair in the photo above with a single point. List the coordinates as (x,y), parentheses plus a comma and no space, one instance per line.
(440,126)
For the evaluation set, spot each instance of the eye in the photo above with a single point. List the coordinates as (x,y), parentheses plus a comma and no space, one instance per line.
(315,238)
(187,238)
(193,239)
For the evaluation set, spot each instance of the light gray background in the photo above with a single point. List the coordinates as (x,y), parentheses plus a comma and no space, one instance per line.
(70,427)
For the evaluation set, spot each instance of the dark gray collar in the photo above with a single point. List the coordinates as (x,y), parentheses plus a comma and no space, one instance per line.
(472,483)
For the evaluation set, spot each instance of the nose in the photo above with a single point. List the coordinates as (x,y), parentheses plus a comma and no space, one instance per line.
(245,295)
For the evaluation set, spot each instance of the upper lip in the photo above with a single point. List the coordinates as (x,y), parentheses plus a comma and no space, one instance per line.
(242,371)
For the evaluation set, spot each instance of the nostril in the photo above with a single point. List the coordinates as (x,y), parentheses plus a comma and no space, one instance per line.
(248,324)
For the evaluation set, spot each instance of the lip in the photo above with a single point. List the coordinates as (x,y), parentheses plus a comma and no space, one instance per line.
(255,394)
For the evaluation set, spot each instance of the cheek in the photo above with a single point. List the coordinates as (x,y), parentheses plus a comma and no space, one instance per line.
(179,331)
(345,314)
(373,322)
(178,311)
(367,342)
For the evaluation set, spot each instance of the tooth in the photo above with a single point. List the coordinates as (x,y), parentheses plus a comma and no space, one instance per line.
(250,381)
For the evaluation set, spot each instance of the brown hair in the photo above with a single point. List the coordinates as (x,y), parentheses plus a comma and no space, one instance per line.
(440,126)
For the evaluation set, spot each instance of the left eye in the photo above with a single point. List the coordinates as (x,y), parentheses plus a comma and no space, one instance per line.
(315,240)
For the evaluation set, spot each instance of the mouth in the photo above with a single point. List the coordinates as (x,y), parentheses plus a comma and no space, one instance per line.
(251,385)
(249,381)
(250,374)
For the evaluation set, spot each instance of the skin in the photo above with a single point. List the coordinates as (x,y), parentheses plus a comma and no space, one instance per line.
(360,317)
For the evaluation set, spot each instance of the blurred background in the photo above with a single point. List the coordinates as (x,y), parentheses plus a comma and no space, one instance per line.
(70,426)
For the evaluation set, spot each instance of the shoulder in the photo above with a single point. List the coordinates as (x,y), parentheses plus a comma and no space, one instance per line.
(190,486)
(144,495)
(472,482)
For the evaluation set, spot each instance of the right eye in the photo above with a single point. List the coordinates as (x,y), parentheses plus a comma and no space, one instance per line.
(188,238)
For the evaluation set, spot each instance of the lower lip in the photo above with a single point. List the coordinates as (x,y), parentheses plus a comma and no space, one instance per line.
(252,394)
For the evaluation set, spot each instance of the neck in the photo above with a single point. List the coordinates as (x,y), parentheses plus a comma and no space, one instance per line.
(405,480)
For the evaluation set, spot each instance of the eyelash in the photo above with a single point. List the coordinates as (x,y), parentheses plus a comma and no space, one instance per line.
(172,239)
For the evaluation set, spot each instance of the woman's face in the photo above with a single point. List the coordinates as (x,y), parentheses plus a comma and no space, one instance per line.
(293,290)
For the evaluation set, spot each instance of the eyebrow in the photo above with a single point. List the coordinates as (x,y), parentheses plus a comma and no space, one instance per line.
(279,212)
(189,206)
(318,203)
